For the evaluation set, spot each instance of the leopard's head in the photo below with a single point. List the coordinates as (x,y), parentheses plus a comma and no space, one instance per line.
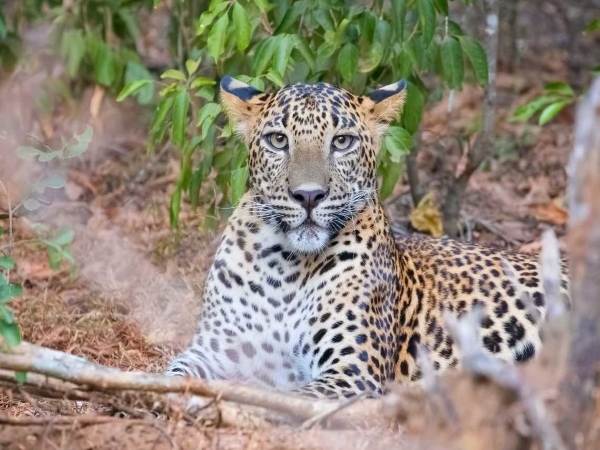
(312,153)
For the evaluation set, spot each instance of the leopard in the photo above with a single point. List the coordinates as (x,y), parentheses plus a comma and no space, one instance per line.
(309,290)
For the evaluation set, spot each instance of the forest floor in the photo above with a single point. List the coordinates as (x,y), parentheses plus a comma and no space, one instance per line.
(134,300)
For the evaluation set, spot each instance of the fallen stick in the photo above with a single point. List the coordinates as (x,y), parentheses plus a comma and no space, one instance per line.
(83,376)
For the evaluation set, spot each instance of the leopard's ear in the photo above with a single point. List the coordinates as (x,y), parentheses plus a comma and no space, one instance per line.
(385,104)
(242,103)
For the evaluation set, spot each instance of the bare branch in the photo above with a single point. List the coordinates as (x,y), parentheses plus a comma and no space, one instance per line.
(83,377)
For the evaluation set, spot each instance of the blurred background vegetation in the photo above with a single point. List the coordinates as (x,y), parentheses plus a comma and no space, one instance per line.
(357,45)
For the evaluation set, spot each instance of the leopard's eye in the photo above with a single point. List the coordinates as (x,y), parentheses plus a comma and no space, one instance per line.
(278,141)
(342,142)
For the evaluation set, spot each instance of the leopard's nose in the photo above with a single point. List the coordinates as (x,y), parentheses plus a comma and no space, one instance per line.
(309,199)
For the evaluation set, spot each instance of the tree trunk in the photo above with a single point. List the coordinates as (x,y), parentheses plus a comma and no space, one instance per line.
(580,402)
(482,146)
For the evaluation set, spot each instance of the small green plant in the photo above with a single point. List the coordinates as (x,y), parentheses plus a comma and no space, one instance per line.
(556,96)
(8,327)
(56,243)
(273,43)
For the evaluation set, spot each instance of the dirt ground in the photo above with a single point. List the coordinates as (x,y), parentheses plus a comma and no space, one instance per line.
(134,300)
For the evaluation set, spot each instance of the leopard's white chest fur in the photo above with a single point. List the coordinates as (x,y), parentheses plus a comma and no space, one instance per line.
(255,323)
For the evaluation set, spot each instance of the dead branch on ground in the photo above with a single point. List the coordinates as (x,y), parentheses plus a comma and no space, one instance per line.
(79,378)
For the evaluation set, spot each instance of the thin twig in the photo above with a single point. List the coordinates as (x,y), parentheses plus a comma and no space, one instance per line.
(62,420)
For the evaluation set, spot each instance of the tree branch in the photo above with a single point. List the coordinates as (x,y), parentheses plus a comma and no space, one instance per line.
(83,377)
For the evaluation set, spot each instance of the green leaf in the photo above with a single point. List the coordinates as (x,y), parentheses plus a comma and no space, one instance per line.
(262,5)
(323,18)
(210,110)
(477,57)
(174,207)
(525,112)
(83,142)
(202,81)
(239,178)
(593,26)
(28,152)
(282,53)
(348,61)
(1,231)
(205,19)
(31,204)
(263,55)
(551,111)
(54,257)
(391,174)
(158,126)
(399,14)
(195,184)
(276,78)
(9,291)
(73,49)
(452,60)
(243,27)
(6,263)
(216,38)
(306,52)
(53,181)
(169,90)
(412,112)
(560,88)
(207,93)
(105,64)
(398,143)
(375,55)
(173,75)
(341,31)
(132,87)
(325,50)
(454,29)
(134,72)
(191,65)
(63,237)
(6,315)
(426,19)
(10,332)
(180,117)
(382,33)
(416,50)
(441,6)
(45,157)
(3,29)
(288,20)
(21,377)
